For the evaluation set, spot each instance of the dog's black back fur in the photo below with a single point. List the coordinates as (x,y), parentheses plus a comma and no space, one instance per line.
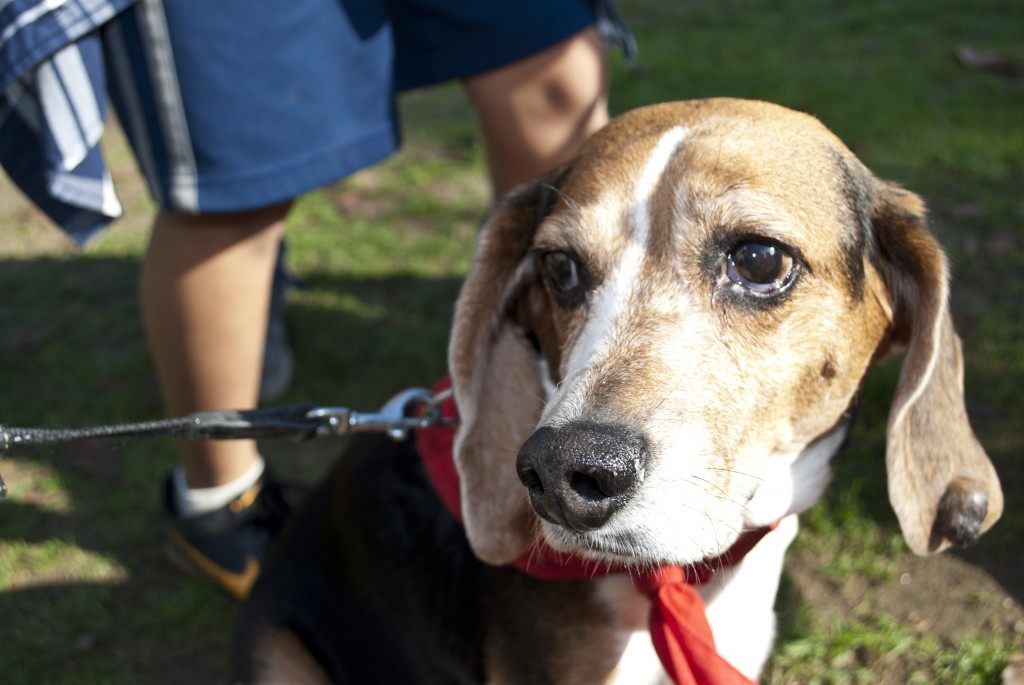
(374,576)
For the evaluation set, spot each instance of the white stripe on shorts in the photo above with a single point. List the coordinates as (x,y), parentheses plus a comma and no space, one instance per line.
(170,108)
(133,119)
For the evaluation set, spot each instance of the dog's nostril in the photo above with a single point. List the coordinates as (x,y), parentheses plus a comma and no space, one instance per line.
(531,479)
(587,487)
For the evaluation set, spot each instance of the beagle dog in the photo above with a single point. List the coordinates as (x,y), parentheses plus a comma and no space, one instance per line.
(655,352)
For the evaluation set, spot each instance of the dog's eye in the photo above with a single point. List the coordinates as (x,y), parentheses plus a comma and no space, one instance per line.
(763,268)
(560,271)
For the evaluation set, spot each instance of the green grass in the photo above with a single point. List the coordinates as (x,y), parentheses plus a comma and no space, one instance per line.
(854,651)
(85,596)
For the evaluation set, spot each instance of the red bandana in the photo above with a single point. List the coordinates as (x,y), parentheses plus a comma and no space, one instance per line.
(679,629)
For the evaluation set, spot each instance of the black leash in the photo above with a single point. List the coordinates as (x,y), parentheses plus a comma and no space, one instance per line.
(409,409)
(288,421)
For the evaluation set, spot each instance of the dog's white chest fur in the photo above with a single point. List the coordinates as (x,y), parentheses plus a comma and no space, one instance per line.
(639,664)
(739,609)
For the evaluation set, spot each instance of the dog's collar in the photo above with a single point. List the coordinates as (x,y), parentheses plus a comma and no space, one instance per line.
(677,622)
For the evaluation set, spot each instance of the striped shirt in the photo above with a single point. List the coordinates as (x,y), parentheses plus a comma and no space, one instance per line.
(53,107)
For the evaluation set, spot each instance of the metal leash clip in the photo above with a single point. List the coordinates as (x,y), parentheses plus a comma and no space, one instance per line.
(409,409)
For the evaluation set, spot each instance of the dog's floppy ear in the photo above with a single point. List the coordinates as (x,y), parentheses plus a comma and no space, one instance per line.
(942,485)
(495,368)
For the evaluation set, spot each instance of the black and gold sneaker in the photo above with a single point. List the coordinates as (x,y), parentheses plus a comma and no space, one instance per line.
(228,545)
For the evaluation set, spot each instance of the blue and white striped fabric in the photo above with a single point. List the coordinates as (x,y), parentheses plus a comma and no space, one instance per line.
(53,106)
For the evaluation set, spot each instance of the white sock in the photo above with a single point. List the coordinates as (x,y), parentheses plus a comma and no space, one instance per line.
(192,502)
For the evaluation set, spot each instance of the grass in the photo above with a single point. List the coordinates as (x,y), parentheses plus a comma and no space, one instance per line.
(855,651)
(85,596)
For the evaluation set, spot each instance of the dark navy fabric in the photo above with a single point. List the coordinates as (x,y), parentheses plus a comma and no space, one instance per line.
(253,103)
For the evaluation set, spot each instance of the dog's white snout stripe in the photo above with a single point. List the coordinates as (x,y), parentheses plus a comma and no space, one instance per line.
(661,155)
(596,339)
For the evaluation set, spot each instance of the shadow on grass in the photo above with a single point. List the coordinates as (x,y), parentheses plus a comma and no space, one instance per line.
(87,594)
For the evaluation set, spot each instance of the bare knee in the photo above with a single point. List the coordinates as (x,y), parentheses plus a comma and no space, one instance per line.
(181,241)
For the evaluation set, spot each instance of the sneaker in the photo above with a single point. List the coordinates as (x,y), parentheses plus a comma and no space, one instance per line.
(229,544)
(278,358)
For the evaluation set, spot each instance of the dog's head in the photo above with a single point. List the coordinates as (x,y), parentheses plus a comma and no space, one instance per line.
(662,340)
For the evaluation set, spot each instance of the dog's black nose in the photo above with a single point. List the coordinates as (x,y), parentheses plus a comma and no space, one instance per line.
(580,474)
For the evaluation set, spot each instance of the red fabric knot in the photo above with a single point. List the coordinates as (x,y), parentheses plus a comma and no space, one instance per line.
(681,634)
(677,621)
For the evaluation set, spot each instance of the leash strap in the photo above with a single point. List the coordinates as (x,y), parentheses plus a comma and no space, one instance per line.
(288,421)
(412,408)
(409,409)
(276,422)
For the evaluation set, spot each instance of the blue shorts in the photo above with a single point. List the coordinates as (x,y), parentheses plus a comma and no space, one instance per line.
(259,101)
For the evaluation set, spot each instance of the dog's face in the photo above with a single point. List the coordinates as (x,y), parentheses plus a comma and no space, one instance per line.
(661,342)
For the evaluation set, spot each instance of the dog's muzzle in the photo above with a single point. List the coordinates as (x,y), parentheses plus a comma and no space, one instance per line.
(580,474)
